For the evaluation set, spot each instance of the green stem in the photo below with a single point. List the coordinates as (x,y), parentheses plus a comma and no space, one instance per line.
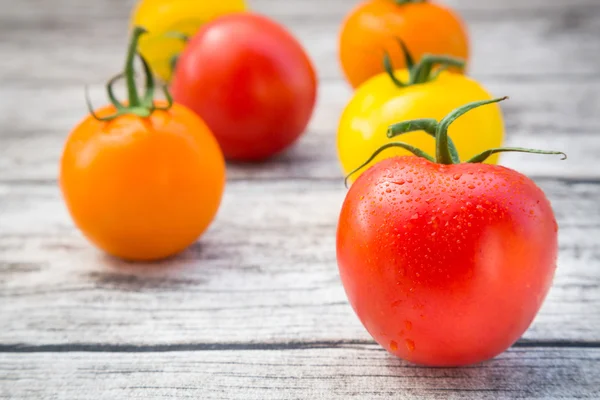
(445,150)
(132,93)
(140,106)
(424,68)
(423,71)
(429,126)
(442,152)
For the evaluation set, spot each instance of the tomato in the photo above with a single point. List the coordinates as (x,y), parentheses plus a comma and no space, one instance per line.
(419,92)
(445,263)
(374,26)
(251,81)
(164,17)
(142,181)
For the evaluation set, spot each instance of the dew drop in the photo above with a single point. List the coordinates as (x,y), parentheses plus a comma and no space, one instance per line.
(393,345)
(415,216)
(471,186)
(479,208)
(410,345)
(399,182)
(408,325)
(457,176)
(388,190)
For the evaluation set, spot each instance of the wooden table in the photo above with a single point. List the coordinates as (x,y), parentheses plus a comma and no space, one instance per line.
(256,309)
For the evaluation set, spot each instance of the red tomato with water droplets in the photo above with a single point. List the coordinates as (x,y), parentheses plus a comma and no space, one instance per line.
(446,262)
(445,265)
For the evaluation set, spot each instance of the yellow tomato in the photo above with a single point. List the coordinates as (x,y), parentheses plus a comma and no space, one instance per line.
(379,103)
(160,17)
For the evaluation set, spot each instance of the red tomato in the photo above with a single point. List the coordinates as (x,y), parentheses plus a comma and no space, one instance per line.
(445,265)
(251,81)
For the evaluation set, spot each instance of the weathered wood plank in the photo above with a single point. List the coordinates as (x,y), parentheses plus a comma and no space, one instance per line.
(347,371)
(547,115)
(88,41)
(265,271)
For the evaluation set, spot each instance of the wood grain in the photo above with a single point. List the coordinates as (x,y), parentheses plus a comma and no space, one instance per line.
(547,115)
(255,309)
(557,42)
(345,371)
(265,271)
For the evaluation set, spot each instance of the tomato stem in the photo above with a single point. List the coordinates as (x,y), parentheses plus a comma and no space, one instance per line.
(423,71)
(140,106)
(429,126)
(442,152)
(132,93)
(446,152)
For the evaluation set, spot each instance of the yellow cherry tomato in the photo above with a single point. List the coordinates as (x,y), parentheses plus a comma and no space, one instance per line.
(161,17)
(380,102)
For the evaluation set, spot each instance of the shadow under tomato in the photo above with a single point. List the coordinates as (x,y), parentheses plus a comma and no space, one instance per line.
(515,373)
(168,274)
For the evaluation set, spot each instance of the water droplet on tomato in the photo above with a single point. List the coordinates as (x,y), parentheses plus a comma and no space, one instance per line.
(415,216)
(399,182)
(479,208)
(388,190)
(457,176)
(408,325)
(410,345)
(471,186)
(393,345)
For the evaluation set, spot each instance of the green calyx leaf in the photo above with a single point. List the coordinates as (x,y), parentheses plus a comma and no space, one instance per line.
(446,152)
(142,106)
(426,70)
(417,152)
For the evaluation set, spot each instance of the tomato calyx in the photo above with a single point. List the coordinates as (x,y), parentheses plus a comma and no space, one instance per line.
(142,106)
(422,71)
(446,152)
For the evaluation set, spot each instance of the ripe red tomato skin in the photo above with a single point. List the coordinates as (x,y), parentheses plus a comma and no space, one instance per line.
(449,265)
(252,83)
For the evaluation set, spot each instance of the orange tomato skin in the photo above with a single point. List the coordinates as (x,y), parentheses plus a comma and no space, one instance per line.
(142,188)
(375,27)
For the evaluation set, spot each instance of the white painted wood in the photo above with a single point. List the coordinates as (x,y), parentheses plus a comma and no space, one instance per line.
(255,309)
(557,40)
(347,371)
(547,115)
(265,271)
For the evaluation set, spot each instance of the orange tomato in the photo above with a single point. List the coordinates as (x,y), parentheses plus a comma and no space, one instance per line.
(145,182)
(374,27)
